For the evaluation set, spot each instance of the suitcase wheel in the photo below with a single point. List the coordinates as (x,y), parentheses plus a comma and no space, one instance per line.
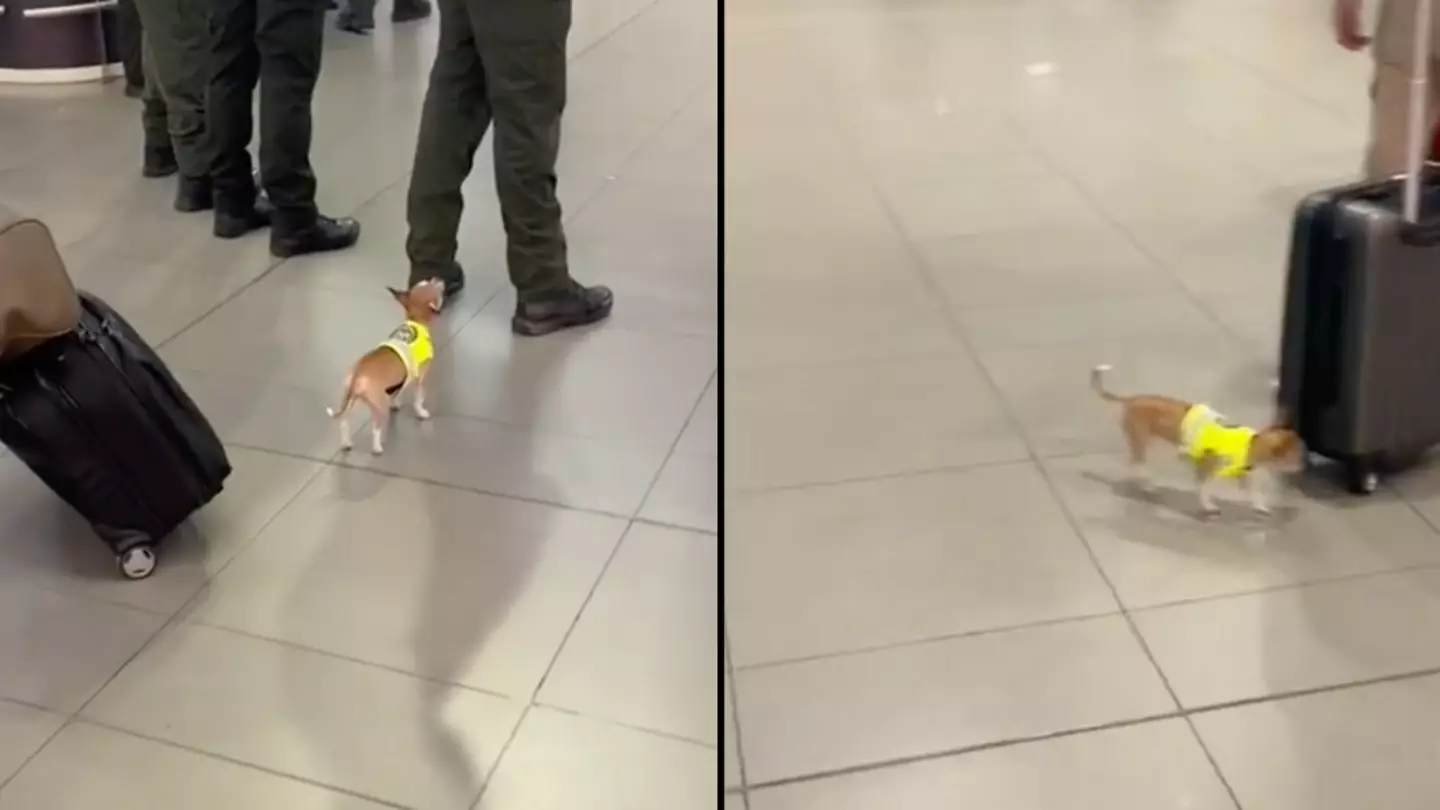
(1361,477)
(137,562)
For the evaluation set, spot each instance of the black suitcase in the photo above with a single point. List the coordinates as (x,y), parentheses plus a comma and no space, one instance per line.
(1359,364)
(98,417)
(1359,367)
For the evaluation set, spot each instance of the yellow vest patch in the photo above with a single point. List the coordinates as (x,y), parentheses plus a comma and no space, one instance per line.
(1204,434)
(413,344)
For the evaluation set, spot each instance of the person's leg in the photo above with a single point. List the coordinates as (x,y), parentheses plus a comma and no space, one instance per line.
(290,35)
(176,36)
(1390,117)
(159,160)
(522,45)
(127,23)
(358,17)
(452,124)
(229,120)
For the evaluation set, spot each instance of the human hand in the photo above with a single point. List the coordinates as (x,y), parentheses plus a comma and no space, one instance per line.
(1348,25)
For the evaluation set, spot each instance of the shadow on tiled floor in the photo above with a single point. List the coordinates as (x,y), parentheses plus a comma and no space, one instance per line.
(939,591)
(520,598)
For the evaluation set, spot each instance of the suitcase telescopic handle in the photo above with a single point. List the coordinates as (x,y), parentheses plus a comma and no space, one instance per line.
(1419,103)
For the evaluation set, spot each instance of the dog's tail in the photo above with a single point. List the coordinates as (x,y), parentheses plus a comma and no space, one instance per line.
(1097,382)
(346,401)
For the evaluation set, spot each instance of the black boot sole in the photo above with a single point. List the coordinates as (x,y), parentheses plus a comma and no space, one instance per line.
(236,227)
(287,249)
(193,206)
(527,327)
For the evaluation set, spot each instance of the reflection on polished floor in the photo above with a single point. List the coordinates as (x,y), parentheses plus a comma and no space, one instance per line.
(519,597)
(940,594)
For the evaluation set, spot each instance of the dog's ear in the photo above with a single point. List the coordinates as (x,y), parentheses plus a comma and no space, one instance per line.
(399,295)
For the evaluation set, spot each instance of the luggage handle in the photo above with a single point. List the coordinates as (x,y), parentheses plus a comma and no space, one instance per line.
(1419,103)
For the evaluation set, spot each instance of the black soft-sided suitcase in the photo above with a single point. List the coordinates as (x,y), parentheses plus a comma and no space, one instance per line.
(1360,344)
(98,417)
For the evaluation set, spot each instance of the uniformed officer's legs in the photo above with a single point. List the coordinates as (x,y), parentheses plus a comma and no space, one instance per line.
(176,51)
(275,45)
(452,124)
(234,73)
(127,23)
(290,35)
(159,159)
(521,72)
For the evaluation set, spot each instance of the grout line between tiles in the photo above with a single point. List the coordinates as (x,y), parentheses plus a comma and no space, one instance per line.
(865,479)
(177,617)
(1264,75)
(174,620)
(250,766)
(559,650)
(915,759)
(1011,628)
(676,526)
(962,336)
(647,8)
(349,659)
(957,328)
(1214,763)
(337,464)
(579,613)
(733,722)
(669,454)
(500,757)
(653,732)
(1067,177)
(1178,714)
(920,642)
(275,264)
(1059,171)
(65,723)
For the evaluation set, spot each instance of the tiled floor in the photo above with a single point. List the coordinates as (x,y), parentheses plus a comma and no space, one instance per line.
(939,592)
(516,607)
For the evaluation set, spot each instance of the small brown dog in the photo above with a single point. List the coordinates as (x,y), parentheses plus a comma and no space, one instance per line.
(383,373)
(1217,449)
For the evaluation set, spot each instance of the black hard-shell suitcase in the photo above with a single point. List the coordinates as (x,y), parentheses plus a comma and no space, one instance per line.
(1359,361)
(98,417)
(1360,344)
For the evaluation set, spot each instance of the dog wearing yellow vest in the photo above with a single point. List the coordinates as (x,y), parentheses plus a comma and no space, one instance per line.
(1217,449)
(388,370)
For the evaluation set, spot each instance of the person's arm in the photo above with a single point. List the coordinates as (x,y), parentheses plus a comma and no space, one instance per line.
(1349,24)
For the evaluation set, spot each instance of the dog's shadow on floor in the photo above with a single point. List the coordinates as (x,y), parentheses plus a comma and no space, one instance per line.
(1166,516)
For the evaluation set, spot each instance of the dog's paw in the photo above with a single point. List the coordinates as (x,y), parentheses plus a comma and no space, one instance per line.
(422,414)
(1209,512)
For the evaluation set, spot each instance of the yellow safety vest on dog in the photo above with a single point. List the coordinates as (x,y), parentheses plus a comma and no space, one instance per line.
(1204,433)
(413,344)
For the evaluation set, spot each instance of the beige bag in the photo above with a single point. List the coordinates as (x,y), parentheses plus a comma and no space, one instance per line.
(37,298)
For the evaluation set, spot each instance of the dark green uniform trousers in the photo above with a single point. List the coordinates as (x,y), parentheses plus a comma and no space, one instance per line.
(500,61)
(127,23)
(274,45)
(176,50)
(154,115)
